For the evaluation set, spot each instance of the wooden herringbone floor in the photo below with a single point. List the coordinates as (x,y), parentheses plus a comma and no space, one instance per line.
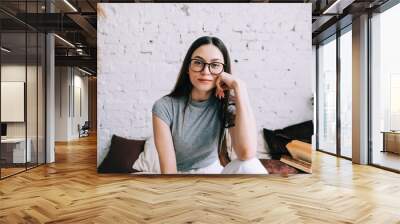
(70,191)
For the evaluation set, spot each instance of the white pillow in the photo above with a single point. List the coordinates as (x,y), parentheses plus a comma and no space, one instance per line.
(148,159)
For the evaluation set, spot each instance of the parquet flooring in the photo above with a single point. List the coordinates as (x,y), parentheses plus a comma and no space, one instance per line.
(70,191)
(10,171)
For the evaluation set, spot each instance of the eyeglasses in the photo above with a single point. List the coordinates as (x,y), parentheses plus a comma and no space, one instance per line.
(215,68)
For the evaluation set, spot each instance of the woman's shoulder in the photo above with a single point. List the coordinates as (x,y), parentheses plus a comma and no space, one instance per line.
(164,98)
(171,99)
(168,100)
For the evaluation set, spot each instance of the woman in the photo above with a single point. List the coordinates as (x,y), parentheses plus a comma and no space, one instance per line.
(189,123)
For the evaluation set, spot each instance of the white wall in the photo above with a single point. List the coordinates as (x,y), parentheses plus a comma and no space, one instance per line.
(79,117)
(61,103)
(68,81)
(141,48)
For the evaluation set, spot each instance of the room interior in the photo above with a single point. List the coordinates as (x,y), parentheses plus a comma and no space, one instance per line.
(22,102)
(48,151)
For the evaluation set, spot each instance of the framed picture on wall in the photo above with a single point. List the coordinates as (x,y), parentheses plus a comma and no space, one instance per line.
(12,101)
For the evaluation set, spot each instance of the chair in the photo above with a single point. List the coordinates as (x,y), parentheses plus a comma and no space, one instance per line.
(84,130)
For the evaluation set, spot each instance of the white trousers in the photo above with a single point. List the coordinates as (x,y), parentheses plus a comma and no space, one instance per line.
(251,166)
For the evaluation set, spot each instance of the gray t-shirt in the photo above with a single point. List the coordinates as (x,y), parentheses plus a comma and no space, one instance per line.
(196,139)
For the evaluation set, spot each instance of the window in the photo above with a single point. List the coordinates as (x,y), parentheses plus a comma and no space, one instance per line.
(22,77)
(385,88)
(346,92)
(327,95)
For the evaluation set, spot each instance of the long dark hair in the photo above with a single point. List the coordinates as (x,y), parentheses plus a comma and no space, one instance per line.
(183,88)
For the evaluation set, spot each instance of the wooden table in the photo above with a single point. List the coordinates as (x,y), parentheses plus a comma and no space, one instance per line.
(391,141)
(15,147)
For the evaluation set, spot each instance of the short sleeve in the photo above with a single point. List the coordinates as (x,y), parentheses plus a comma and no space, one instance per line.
(162,108)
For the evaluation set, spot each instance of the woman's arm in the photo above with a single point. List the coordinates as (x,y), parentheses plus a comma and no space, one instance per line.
(244,133)
(164,145)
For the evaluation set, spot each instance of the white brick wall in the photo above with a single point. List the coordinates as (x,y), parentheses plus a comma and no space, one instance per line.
(141,47)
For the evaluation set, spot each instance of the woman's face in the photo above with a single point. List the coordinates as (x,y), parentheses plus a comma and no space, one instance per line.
(204,80)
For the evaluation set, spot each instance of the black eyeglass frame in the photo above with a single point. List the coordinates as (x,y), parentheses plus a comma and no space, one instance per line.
(208,64)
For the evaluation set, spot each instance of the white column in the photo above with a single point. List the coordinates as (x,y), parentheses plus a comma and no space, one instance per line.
(50,93)
(360,90)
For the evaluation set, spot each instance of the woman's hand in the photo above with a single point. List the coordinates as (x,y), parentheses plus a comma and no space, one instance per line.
(225,81)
